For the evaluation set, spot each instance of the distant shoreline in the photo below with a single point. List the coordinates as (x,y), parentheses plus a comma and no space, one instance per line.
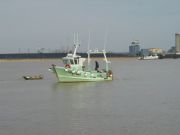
(58,56)
(55,59)
(55,55)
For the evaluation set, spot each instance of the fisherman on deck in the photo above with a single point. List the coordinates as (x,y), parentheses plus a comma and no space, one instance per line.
(96,66)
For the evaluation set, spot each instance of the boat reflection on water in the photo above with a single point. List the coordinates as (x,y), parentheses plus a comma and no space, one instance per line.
(73,86)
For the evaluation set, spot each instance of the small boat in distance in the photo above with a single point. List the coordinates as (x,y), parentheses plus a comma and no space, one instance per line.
(36,77)
(74,69)
(150,57)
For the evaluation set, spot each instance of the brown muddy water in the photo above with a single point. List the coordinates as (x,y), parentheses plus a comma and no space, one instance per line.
(143,99)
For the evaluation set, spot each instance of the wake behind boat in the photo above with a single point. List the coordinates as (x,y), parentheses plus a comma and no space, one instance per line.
(74,69)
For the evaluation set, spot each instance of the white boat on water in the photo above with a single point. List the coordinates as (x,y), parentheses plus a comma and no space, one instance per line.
(150,57)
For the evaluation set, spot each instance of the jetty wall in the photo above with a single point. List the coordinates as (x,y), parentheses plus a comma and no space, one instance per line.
(60,55)
(53,55)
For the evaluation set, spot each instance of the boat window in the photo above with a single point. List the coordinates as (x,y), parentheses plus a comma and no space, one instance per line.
(71,61)
(66,62)
(76,61)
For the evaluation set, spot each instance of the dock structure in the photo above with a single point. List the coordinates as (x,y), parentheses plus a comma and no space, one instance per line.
(177,43)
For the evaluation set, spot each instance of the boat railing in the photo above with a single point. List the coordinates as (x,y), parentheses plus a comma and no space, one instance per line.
(99,52)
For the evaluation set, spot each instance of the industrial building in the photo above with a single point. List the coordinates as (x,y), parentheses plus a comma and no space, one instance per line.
(144,52)
(155,50)
(134,48)
(151,51)
(177,42)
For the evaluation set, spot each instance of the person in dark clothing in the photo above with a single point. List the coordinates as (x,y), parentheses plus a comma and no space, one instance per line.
(96,65)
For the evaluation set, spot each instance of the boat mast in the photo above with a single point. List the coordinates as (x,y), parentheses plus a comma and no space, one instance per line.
(105,40)
(89,52)
(106,61)
(76,44)
(104,52)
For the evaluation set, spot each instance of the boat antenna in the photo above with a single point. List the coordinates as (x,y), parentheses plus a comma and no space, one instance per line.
(76,44)
(104,51)
(105,40)
(77,40)
(74,39)
(89,50)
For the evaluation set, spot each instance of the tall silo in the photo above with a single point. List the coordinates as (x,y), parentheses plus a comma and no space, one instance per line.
(177,42)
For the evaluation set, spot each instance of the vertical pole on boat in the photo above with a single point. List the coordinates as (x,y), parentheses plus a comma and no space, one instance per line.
(89,52)
(105,58)
(76,44)
(74,39)
(104,52)
(77,40)
(105,40)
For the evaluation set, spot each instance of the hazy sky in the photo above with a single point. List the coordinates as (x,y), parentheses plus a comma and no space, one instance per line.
(50,24)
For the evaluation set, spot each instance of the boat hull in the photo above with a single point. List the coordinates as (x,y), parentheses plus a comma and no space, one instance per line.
(67,75)
(148,58)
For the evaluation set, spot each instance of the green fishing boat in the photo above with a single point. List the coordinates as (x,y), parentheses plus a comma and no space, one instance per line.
(74,69)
